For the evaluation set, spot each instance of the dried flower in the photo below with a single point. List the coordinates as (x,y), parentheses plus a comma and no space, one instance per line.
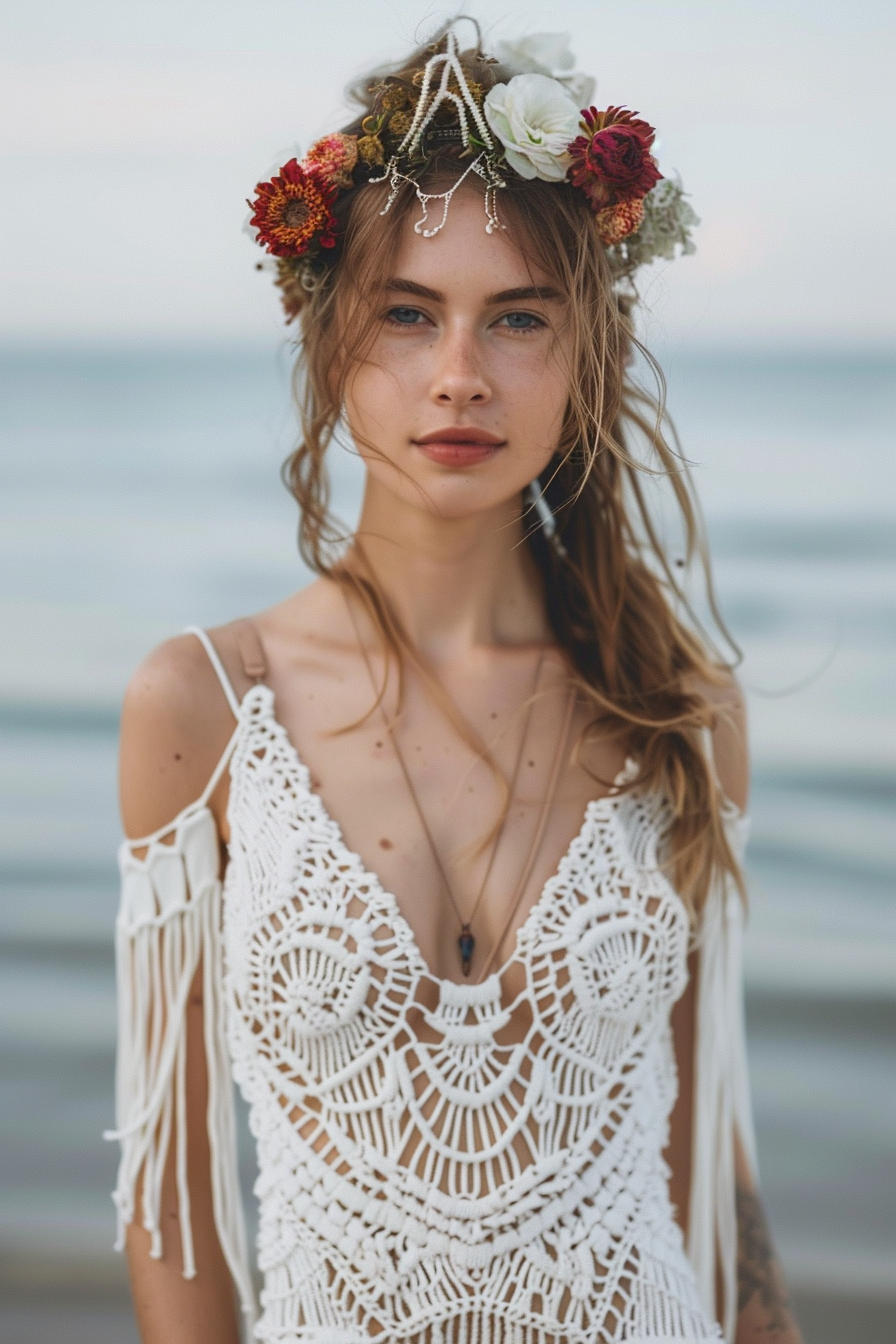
(288,280)
(664,231)
(370,150)
(400,124)
(611,160)
(292,211)
(616,222)
(336,156)
(394,98)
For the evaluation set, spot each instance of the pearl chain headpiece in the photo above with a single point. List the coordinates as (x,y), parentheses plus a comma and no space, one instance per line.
(428,105)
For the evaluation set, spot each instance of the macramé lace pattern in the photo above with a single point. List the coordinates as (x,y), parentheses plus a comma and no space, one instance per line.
(426,1174)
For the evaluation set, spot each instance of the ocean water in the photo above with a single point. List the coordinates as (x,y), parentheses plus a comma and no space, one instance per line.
(141,493)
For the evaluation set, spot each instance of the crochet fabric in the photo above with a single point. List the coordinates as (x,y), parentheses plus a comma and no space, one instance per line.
(426,1172)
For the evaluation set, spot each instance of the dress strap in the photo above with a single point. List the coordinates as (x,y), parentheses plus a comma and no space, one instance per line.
(251,653)
(254,666)
(218,666)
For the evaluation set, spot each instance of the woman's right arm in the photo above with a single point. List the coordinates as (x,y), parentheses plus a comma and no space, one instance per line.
(175,725)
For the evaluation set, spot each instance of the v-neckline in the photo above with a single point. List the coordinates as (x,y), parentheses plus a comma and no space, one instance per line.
(399,922)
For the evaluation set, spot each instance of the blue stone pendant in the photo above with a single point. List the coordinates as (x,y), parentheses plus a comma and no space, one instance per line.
(466,942)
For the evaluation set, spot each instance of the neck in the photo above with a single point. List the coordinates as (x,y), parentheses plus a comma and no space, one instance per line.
(455,583)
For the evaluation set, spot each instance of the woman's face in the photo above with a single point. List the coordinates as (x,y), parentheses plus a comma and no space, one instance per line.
(460,402)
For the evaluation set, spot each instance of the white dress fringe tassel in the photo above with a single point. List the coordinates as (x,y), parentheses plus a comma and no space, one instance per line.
(169,923)
(721,1093)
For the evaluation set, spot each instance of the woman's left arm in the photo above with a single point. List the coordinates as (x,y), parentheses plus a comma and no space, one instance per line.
(763,1309)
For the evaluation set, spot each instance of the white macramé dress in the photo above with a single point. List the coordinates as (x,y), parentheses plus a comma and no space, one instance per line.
(421,1177)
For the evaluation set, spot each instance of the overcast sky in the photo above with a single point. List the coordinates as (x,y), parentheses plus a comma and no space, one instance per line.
(132,134)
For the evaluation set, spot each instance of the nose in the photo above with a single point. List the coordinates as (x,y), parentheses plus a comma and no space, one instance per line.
(459,379)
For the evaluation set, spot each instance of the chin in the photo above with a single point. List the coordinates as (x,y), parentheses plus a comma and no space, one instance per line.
(458,493)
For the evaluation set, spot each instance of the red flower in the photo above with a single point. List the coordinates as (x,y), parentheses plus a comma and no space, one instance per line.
(611,161)
(292,211)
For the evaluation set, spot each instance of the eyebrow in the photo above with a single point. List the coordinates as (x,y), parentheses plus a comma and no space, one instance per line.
(543,293)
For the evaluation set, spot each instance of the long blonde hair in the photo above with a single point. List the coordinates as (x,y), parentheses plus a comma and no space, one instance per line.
(617,608)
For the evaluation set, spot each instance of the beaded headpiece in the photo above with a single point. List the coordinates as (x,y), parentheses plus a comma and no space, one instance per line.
(513,113)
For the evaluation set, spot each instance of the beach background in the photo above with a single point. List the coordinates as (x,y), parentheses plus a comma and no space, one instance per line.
(145,409)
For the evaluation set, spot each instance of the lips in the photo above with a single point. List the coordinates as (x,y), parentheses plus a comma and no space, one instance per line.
(459,445)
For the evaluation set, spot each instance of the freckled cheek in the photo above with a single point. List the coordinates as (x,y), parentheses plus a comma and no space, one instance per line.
(534,398)
(389,382)
(377,397)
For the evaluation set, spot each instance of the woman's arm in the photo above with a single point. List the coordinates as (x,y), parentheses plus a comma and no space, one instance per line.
(763,1313)
(175,724)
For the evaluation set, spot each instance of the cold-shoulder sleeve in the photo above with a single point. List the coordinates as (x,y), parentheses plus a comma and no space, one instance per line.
(169,924)
(722,1092)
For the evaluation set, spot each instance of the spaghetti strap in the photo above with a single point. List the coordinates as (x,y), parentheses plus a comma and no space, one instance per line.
(254,666)
(226,687)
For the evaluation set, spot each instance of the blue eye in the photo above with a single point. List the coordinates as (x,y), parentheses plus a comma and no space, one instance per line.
(522,321)
(405,317)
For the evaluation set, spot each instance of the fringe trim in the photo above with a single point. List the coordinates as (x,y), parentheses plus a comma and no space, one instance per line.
(169,922)
(721,1106)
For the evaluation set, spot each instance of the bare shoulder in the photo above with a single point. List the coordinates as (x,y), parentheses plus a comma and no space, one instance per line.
(729,738)
(176,720)
(175,724)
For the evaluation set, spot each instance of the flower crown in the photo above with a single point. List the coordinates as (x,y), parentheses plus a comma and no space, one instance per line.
(530,125)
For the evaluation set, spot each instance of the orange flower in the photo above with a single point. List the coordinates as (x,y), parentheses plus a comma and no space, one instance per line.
(618,221)
(292,211)
(336,156)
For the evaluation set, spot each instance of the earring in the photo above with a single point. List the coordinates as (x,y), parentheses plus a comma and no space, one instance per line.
(546,519)
(539,503)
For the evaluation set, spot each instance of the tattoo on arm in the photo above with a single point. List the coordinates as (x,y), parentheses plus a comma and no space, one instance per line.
(758,1272)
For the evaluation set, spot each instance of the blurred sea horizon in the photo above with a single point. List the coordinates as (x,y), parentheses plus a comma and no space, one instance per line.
(141,494)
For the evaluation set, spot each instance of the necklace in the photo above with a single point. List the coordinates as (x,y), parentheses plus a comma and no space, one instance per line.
(466,941)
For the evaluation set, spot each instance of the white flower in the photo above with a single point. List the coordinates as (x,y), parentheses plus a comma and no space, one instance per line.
(535,119)
(539,54)
(546,54)
(581,88)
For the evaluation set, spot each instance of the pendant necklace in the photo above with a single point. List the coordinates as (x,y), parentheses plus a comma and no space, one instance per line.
(466,942)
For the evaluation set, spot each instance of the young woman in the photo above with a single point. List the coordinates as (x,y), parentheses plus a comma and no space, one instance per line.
(439,858)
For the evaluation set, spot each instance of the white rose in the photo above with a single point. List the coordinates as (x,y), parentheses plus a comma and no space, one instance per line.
(580,87)
(535,119)
(540,54)
(546,54)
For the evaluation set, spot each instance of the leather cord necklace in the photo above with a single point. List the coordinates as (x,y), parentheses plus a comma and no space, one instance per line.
(538,834)
(466,940)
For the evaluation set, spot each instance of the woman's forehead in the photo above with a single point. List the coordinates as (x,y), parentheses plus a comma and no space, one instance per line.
(463,258)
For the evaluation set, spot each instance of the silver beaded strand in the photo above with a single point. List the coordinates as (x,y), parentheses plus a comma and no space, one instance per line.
(483,165)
